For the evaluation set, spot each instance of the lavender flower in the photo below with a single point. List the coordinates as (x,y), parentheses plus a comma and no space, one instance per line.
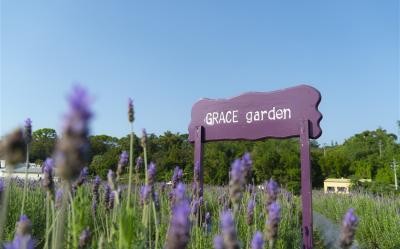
(274,216)
(131,112)
(107,191)
(272,191)
(179,230)
(177,176)
(247,166)
(143,140)
(82,176)
(349,226)
(28,131)
(59,197)
(84,238)
(111,180)
(207,222)
(22,238)
(48,181)
(229,231)
(236,183)
(96,185)
(123,161)
(151,174)
(13,147)
(111,200)
(218,242)
(257,242)
(250,212)
(179,193)
(72,149)
(139,162)
(145,192)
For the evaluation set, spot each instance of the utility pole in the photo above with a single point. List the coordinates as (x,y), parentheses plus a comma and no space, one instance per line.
(394,167)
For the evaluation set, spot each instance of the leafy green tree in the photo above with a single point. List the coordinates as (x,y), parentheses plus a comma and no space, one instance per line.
(43,142)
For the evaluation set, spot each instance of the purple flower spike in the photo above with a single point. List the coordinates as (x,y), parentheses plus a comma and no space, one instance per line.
(96,185)
(59,196)
(218,242)
(72,149)
(28,131)
(145,194)
(247,166)
(48,181)
(272,190)
(257,242)
(229,231)
(84,238)
(179,192)
(139,162)
(111,179)
(250,212)
(236,183)
(349,226)
(274,216)
(143,140)
(179,230)
(151,173)
(177,176)
(131,111)
(123,161)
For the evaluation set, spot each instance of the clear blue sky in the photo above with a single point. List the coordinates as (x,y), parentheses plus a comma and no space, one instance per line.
(168,54)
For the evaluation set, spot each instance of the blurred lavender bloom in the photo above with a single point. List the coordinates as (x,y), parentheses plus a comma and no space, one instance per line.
(13,147)
(196,180)
(218,242)
(145,192)
(151,174)
(257,242)
(156,199)
(111,200)
(73,147)
(48,180)
(179,192)
(123,161)
(22,238)
(84,238)
(107,191)
(274,216)
(82,176)
(96,185)
(236,183)
(94,206)
(111,180)
(59,197)
(131,111)
(247,164)
(28,131)
(229,231)
(162,187)
(177,176)
(179,230)
(250,212)
(272,190)
(143,140)
(349,226)
(139,163)
(207,222)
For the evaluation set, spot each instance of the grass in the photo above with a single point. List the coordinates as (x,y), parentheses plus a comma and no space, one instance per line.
(379,216)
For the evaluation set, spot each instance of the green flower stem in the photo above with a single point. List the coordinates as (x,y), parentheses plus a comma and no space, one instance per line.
(26,180)
(130,168)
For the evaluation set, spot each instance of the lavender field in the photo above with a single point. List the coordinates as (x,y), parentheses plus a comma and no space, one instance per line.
(127,211)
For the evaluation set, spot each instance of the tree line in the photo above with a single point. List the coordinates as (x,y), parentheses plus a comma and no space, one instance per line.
(366,155)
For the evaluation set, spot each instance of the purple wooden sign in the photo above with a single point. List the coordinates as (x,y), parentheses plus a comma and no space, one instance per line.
(292,112)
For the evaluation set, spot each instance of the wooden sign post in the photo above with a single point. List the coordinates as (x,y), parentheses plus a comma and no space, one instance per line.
(292,112)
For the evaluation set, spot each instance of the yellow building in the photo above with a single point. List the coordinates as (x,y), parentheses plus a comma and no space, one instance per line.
(337,185)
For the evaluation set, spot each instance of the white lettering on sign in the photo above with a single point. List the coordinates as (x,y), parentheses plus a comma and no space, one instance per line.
(231,116)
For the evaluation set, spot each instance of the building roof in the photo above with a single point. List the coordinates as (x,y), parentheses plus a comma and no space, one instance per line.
(343,180)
